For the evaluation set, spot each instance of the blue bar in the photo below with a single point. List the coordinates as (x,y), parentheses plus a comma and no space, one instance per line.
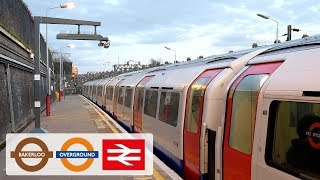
(77,154)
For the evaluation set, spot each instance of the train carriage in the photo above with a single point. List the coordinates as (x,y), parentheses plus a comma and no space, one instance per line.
(84,89)
(126,99)
(95,90)
(286,142)
(101,91)
(90,89)
(280,71)
(164,107)
(245,115)
(111,95)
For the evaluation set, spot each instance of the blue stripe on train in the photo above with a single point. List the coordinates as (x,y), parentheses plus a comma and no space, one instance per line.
(127,127)
(168,158)
(204,176)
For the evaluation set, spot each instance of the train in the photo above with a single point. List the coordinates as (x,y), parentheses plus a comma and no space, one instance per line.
(251,114)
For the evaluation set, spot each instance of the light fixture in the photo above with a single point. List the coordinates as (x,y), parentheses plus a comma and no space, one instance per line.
(69,5)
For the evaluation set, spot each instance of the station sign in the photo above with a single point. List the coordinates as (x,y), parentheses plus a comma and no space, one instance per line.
(79,154)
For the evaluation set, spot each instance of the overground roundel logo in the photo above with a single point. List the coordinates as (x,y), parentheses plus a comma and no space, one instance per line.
(314,135)
(18,154)
(64,154)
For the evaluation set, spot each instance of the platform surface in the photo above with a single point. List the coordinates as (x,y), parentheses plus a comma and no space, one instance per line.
(75,114)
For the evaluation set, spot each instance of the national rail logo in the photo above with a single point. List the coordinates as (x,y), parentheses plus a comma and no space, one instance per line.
(64,154)
(123,154)
(44,154)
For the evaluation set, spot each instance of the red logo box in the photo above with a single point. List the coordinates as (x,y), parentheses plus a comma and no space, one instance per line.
(124,154)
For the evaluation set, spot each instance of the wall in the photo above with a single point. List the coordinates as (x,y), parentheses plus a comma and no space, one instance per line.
(16,67)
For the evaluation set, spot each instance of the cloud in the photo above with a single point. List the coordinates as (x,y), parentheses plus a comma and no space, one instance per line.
(138,30)
(112,2)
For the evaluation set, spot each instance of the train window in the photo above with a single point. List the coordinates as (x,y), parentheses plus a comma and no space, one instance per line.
(169,106)
(243,115)
(293,140)
(150,103)
(111,93)
(195,98)
(121,95)
(108,92)
(128,98)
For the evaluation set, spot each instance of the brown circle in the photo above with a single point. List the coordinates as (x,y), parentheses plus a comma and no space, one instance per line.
(41,144)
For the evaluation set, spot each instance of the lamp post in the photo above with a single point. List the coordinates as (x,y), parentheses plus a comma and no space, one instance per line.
(268,17)
(38,20)
(69,5)
(175,53)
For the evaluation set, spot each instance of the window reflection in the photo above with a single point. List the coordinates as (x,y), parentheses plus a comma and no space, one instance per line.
(243,115)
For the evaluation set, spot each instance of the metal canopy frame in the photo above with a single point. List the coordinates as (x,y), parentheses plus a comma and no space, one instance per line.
(49,20)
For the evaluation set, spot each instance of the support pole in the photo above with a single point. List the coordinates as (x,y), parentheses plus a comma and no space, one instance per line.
(37,77)
(48,99)
(60,82)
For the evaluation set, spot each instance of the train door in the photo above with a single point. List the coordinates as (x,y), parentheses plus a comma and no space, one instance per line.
(115,99)
(193,120)
(137,105)
(240,120)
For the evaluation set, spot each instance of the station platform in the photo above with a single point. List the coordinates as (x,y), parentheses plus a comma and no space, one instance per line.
(76,114)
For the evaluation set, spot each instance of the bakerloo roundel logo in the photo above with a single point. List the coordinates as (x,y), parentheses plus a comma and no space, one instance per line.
(64,154)
(44,154)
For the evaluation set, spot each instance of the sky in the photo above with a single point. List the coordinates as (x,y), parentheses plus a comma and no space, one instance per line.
(139,29)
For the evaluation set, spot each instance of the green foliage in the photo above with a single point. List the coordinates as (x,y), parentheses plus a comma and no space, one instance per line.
(15,35)
(26,7)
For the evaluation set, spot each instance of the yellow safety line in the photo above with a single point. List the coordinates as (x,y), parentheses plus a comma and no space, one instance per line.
(156,173)
(114,130)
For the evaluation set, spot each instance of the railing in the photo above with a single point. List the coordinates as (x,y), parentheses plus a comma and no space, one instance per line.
(76,90)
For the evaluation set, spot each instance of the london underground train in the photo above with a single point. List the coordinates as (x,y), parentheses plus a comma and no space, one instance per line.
(252,114)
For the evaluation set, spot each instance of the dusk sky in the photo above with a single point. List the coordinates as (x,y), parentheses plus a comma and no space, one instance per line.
(139,29)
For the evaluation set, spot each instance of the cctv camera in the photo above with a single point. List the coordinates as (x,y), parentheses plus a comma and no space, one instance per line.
(31,56)
(100,44)
(107,44)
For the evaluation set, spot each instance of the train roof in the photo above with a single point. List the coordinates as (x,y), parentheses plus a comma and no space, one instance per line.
(294,45)
(282,48)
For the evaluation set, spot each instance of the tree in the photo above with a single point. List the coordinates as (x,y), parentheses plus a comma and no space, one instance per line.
(154,62)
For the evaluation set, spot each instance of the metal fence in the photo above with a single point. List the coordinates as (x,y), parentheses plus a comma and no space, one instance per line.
(5,124)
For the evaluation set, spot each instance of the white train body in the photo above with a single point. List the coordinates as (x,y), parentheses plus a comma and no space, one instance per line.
(243,115)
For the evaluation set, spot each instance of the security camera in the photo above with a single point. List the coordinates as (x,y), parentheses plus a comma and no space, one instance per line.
(31,56)
(100,44)
(105,44)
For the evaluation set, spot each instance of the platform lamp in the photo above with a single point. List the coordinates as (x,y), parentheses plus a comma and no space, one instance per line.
(68,5)
(268,17)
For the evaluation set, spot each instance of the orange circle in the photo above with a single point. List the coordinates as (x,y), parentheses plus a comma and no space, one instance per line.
(313,144)
(67,164)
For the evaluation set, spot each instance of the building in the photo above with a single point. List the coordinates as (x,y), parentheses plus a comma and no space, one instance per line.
(75,70)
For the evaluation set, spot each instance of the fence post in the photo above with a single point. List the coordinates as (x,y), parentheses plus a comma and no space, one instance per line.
(13,124)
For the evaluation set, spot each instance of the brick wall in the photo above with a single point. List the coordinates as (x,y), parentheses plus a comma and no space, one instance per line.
(17,21)
(22,91)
